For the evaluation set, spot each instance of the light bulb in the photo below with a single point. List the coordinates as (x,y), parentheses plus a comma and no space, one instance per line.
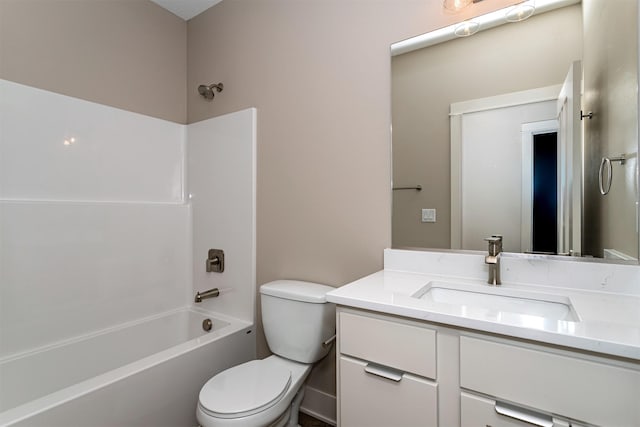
(520,12)
(456,5)
(467,28)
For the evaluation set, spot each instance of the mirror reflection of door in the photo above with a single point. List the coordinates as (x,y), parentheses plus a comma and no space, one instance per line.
(570,188)
(545,194)
(541,203)
(501,147)
(488,168)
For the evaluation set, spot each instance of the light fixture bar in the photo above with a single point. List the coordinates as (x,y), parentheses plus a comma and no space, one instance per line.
(486,21)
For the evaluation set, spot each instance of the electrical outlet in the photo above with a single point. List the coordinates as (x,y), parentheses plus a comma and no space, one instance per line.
(428,215)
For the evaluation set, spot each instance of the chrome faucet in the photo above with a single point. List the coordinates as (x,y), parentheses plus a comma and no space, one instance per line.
(211,293)
(493,258)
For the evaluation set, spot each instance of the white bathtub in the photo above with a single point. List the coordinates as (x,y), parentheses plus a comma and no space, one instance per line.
(145,373)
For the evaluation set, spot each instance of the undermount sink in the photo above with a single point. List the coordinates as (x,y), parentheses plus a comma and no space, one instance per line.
(496,303)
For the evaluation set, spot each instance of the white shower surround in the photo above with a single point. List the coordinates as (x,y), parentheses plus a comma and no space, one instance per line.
(98,232)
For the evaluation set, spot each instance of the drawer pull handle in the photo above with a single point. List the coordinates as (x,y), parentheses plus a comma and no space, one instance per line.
(384,372)
(525,415)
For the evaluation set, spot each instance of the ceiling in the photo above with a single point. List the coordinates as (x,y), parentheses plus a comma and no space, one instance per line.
(186,9)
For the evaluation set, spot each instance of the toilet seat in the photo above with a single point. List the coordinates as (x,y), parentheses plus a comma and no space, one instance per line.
(245,389)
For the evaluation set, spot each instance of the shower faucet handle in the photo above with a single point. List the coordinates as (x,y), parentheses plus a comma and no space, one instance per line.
(215,261)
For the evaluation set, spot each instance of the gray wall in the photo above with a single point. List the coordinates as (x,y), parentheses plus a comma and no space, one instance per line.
(610,92)
(513,57)
(123,53)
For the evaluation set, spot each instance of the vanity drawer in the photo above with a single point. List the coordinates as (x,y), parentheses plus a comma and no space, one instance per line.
(387,342)
(478,411)
(573,387)
(370,400)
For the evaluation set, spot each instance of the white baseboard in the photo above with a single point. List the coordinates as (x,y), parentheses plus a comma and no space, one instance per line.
(319,405)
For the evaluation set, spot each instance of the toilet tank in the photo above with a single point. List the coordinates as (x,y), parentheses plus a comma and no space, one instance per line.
(297,319)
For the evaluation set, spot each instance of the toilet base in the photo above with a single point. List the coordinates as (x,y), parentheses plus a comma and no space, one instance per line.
(295,408)
(290,417)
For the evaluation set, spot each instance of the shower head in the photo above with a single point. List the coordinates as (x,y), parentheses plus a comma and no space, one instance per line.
(207,91)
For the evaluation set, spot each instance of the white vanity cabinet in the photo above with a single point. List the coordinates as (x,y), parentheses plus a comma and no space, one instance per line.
(554,385)
(394,371)
(386,372)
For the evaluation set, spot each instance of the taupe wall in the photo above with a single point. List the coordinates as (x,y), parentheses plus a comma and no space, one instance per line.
(317,70)
(514,57)
(129,54)
(610,92)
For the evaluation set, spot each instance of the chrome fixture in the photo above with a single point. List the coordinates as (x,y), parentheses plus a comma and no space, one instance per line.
(493,258)
(207,91)
(588,115)
(605,165)
(215,261)
(207,324)
(328,342)
(211,293)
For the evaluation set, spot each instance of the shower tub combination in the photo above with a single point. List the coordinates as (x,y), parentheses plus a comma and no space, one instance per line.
(144,373)
(109,223)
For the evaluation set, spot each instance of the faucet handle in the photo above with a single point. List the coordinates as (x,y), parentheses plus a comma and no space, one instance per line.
(499,243)
(495,245)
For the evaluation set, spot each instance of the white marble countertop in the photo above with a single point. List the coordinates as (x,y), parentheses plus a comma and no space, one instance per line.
(606,322)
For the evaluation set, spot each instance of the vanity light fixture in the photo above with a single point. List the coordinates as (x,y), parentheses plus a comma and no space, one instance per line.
(521,11)
(489,20)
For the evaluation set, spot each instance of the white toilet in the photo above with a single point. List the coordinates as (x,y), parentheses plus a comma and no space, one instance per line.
(297,321)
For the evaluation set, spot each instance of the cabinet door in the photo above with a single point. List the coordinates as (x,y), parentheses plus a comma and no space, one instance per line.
(478,411)
(376,396)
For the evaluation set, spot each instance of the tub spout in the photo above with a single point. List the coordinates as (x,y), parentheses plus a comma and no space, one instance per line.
(211,293)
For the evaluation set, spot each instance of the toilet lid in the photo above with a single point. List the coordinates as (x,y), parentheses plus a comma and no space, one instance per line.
(245,389)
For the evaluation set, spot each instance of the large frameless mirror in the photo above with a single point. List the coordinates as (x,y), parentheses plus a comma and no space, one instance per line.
(527,129)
